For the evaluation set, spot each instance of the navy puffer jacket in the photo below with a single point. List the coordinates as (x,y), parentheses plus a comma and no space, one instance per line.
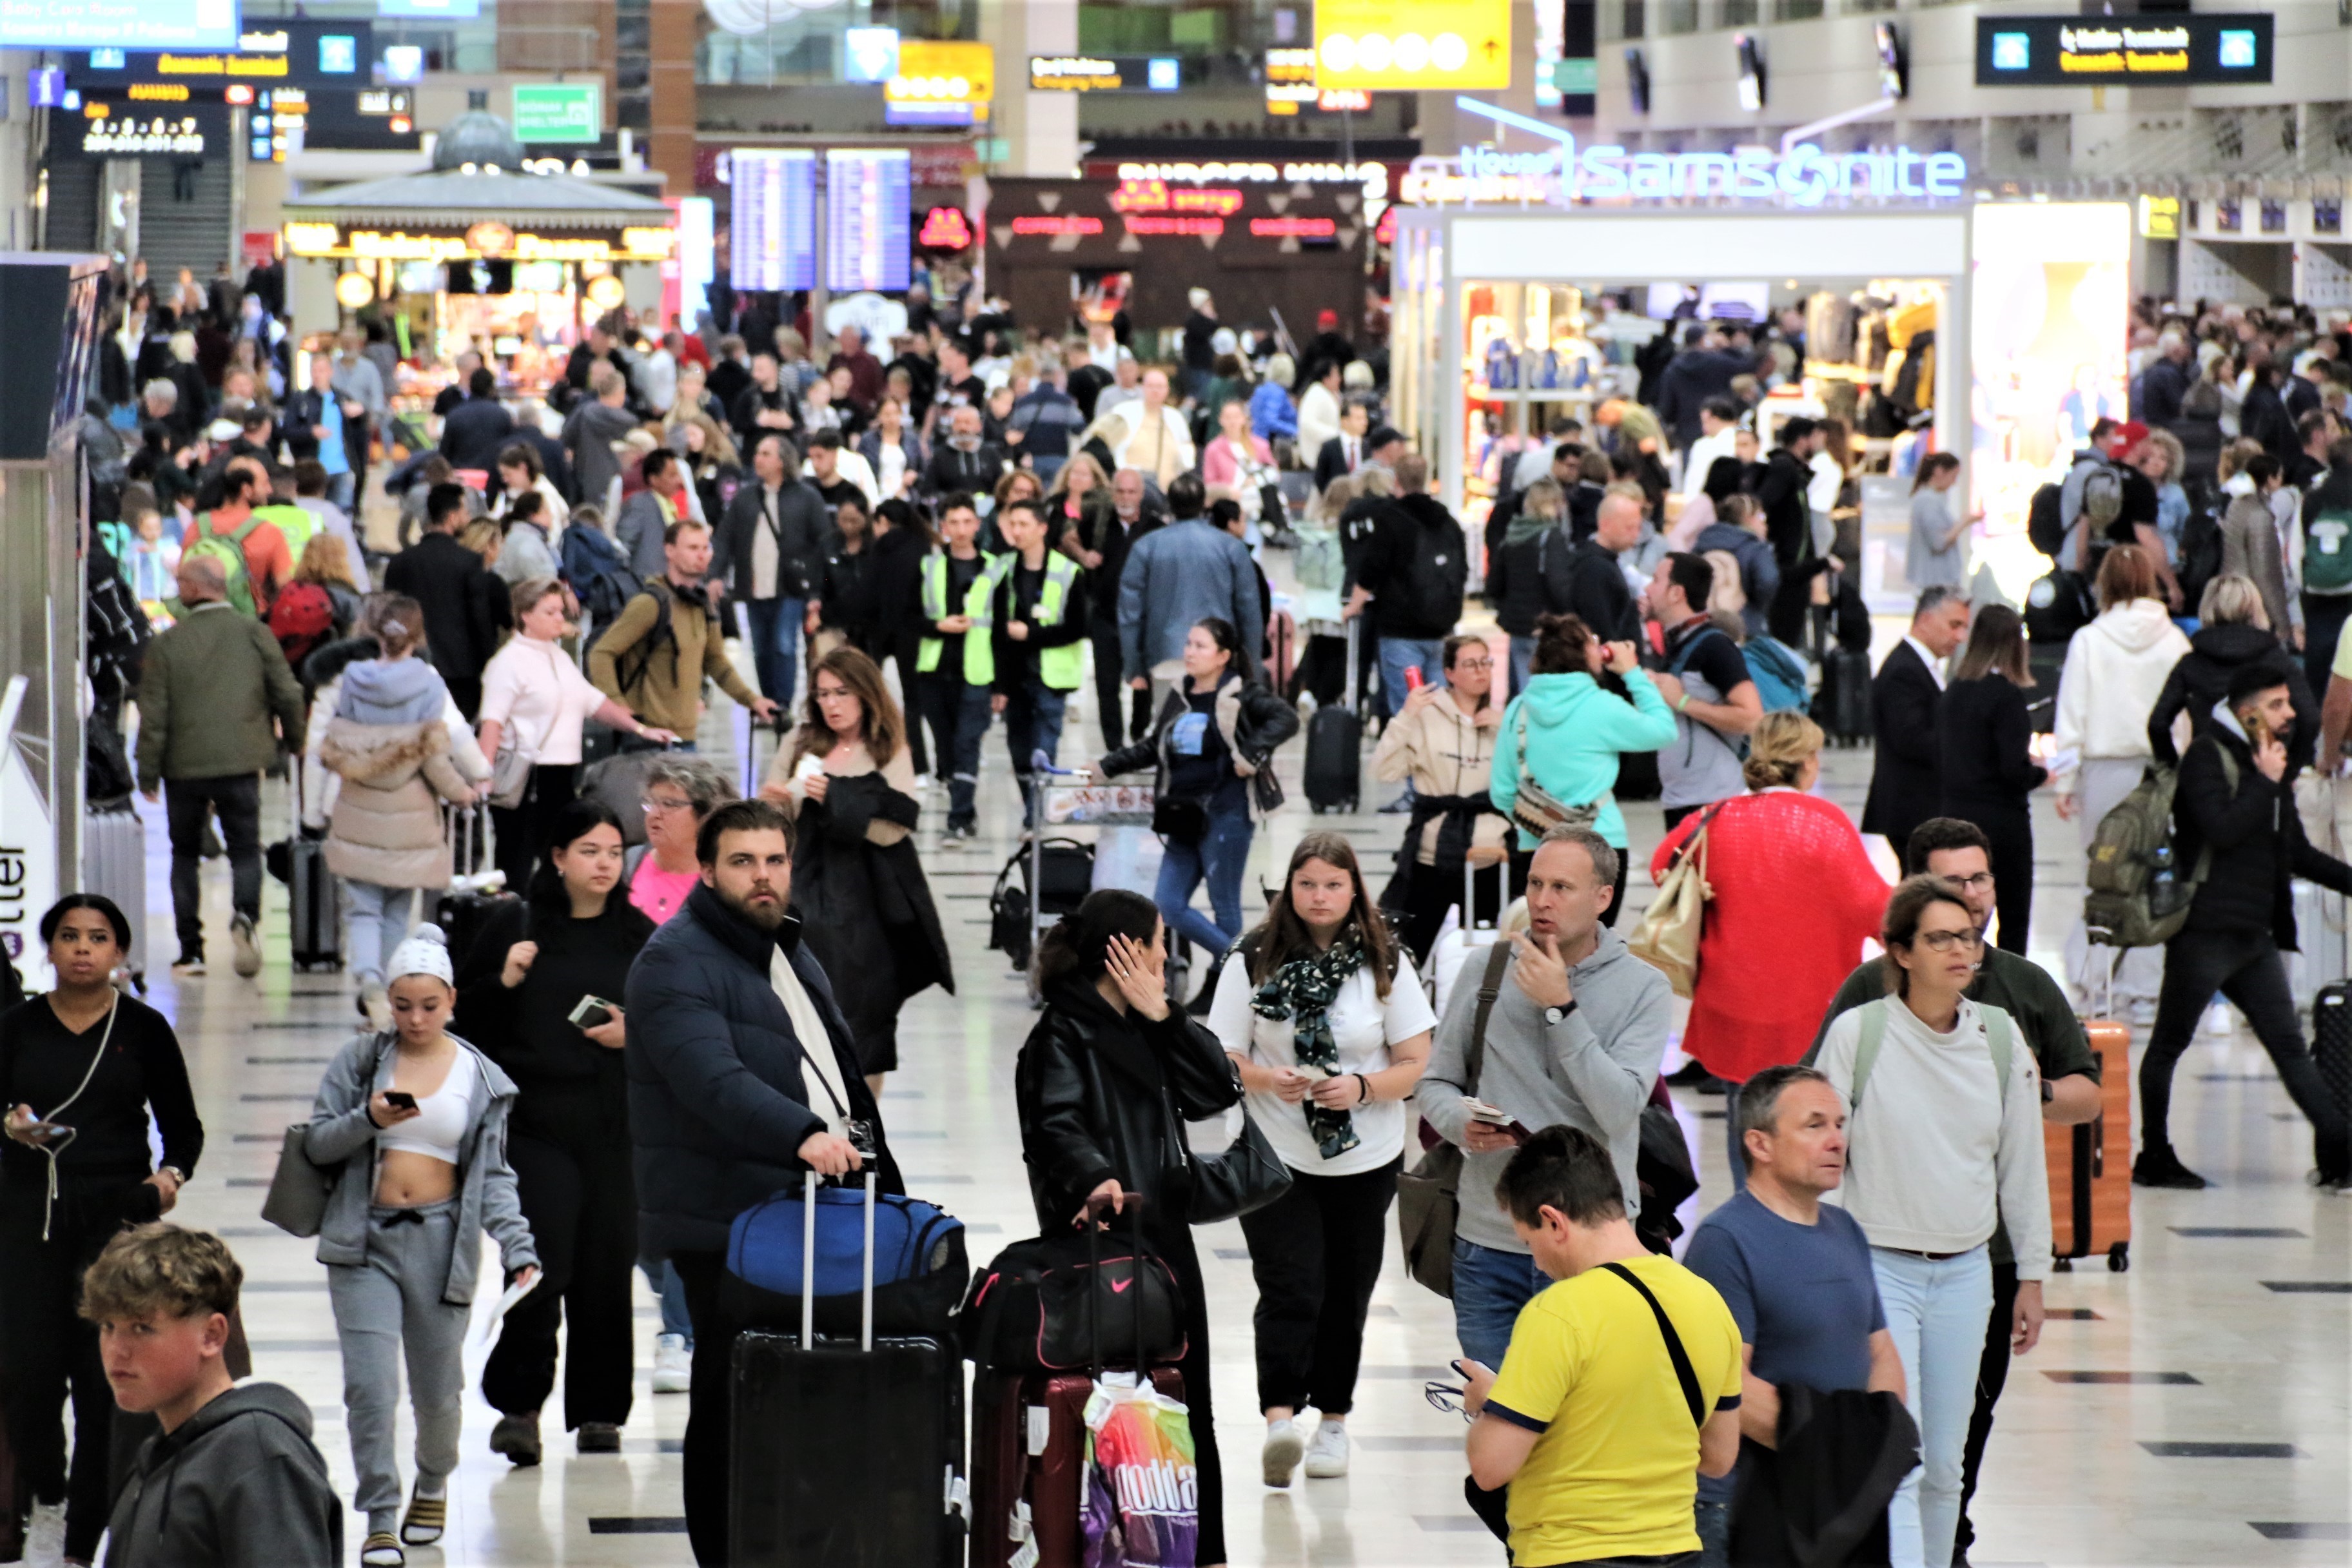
(718,1106)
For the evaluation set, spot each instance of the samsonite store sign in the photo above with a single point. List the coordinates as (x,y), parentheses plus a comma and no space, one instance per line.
(2149,49)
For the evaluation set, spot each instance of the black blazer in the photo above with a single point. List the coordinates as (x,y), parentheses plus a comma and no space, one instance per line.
(1331,462)
(1985,731)
(1907,786)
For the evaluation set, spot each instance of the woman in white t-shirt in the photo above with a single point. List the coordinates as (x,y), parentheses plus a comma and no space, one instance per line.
(535,697)
(1328,1023)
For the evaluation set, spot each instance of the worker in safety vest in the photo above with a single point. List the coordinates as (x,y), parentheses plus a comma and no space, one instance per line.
(957,710)
(1027,621)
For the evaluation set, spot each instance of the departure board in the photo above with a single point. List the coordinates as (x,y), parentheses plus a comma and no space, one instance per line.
(868,222)
(773,231)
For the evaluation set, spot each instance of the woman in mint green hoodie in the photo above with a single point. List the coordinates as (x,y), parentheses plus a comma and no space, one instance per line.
(1566,732)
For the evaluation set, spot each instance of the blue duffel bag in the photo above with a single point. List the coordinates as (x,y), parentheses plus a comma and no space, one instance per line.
(920,1267)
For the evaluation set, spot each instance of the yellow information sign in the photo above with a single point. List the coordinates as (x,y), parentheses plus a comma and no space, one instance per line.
(933,71)
(1413,45)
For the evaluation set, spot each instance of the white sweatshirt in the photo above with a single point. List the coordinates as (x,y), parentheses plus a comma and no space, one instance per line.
(2116,670)
(1933,1154)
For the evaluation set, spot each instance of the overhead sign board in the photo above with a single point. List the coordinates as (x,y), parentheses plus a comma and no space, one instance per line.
(118,128)
(939,83)
(866,220)
(558,112)
(2159,218)
(115,24)
(2205,48)
(1105,73)
(486,240)
(869,54)
(291,51)
(1413,45)
(772,231)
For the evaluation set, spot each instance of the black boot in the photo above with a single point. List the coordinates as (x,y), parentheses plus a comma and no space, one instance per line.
(1206,997)
(2158,1166)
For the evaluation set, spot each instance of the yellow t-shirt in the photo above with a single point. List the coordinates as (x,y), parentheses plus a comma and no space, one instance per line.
(2342,665)
(1615,1471)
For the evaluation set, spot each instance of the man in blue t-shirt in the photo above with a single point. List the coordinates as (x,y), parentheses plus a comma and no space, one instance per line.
(1794,1271)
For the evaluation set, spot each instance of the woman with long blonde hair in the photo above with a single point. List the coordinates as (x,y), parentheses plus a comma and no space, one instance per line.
(864,907)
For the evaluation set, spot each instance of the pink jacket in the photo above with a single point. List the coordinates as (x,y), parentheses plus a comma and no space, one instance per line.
(1219,466)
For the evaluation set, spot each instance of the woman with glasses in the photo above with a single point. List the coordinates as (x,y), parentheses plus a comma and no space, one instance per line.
(1444,741)
(1943,1142)
(1990,774)
(534,703)
(1795,897)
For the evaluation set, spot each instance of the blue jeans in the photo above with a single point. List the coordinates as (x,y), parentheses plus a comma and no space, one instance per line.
(342,490)
(776,646)
(1523,655)
(1936,1312)
(665,1282)
(1400,654)
(1033,723)
(376,921)
(959,716)
(1713,1521)
(1490,1285)
(1219,857)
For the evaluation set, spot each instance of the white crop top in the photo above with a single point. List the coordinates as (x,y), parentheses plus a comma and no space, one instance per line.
(440,1126)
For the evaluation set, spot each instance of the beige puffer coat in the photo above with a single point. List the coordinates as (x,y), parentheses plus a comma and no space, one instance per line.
(386,827)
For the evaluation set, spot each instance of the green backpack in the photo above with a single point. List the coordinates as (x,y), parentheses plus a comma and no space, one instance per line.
(2327,549)
(2137,892)
(227,550)
(1998,1035)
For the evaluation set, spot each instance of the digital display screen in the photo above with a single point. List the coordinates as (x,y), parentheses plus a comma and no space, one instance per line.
(2141,50)
(868,222)
(119,24)
(290,51)
(773,231)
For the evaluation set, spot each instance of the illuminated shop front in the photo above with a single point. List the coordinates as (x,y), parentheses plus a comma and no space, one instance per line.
(1526,282)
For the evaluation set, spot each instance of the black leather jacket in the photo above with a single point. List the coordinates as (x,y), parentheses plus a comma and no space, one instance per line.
(1253,719)
(1103,1095)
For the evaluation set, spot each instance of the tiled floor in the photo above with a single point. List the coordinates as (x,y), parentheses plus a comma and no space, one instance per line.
(2195,1409)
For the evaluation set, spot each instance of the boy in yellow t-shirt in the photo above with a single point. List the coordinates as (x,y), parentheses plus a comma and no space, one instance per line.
(1621,1384)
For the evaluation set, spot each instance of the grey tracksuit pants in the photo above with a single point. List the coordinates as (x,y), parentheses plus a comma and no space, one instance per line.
(387,1305)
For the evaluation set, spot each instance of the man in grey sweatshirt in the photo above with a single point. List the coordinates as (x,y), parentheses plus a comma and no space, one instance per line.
(1575,1035)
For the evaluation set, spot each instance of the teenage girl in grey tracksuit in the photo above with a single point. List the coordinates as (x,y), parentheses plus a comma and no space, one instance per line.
(416,1185)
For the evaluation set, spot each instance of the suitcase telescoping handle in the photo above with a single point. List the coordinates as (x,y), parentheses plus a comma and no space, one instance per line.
(1133,1203)
(809,1187)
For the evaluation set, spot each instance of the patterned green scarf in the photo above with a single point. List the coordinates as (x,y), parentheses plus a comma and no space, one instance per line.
(1302,991)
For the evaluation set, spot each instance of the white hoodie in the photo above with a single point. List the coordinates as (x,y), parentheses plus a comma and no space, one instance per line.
(2116,668)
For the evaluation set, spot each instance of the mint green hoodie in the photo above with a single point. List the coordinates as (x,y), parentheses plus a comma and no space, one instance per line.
(1574,733)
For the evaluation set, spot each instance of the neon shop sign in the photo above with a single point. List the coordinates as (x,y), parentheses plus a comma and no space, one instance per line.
(1560,175)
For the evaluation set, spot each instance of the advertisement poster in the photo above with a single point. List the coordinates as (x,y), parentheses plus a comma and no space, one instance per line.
(2050,304)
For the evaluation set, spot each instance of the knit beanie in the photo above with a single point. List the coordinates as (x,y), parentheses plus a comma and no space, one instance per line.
(427,951)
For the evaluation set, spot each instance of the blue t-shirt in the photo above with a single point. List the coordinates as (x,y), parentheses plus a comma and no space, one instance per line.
(1803,1295)
(331,456)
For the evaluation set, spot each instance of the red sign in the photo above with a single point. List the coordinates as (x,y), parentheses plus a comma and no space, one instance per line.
(1148,226)
(1344,98)
(1035,223)
(1294,228)
(1384,231)
(945,229)
(260,247)
(1155,197)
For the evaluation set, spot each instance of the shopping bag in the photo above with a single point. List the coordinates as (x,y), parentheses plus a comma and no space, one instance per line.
(1143,1504)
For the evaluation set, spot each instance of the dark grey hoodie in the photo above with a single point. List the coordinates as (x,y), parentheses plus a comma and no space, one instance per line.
(240,1483)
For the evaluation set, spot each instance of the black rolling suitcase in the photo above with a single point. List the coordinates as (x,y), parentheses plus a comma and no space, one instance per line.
(1334,745)
(846,1455)
(314,895)
(1841,706)
(466,906)
(2331,1043)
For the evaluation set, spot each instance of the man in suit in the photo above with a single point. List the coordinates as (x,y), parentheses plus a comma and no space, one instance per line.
(1347,451)
(1907,785)
(476,430)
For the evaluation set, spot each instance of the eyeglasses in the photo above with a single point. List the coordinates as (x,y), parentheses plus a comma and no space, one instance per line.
(654,806)
(1447,1397)
(1947,941)
(1980,882)
(1473,663)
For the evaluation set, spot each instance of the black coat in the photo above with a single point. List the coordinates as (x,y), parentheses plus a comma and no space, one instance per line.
(1985,730)
(865,912)
(1103,1095)
(1907,785)
(2256,837)
(802,527)
(1263,723)
(1826,1482)
(1788,520)
(459,595)
(1694,375)
(476,432)
(975,472)
(896,570)
(1530,579)
(1331,462)
(2201,680)
(1099,530)
(1598,593)
(718,1105)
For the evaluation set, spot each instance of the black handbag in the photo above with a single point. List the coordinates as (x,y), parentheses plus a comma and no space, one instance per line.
(1246,1177)
(1057,1304)
(1180,819)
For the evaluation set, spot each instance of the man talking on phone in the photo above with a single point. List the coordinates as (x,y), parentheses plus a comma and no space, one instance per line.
(1574,1035)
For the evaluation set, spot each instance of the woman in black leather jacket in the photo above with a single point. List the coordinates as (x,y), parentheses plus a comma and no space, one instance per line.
(1213,746)
(1104,1086)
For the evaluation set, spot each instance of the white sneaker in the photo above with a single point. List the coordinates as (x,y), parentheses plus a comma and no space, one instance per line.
(673,1364)
(1327,1456)
(1284,1443)
(45,1534)
(2143,1014)
(248,944)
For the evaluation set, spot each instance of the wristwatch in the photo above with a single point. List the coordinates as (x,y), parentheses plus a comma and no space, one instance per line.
(179,1177)
(1555,1015)
(2048,1093)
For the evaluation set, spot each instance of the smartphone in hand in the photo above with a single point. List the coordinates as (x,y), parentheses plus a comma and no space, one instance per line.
(591,1013)
(400,1099)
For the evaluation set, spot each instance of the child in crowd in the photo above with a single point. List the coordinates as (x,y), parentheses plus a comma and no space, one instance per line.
(153,565)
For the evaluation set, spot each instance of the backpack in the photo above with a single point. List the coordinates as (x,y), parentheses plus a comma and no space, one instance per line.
(2103,497)
(631,667)
(1778,672)
(2135,892)
(592,564)
(1999,1037)
(227,550)
(301,619)
(1440,571)
(2200,555)
(2045,524)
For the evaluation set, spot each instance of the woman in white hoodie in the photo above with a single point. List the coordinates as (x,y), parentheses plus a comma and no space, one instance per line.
(2115,670)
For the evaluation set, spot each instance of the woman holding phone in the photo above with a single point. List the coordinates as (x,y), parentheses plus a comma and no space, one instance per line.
(538,983)
(80,1071)
(413,1120)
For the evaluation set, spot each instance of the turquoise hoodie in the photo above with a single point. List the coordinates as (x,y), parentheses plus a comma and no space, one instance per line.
(1575,732)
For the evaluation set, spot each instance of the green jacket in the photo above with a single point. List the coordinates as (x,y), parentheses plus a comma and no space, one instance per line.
(211,687)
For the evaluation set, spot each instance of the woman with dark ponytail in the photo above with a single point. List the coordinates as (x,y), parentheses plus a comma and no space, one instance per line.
(568,946)
(1104,1086)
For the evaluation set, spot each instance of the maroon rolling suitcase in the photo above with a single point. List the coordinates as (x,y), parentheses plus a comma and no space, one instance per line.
(1029,1456)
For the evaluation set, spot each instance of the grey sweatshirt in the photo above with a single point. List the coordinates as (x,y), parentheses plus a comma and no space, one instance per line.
(1592,1070)
(240,1483)
(1935,1151)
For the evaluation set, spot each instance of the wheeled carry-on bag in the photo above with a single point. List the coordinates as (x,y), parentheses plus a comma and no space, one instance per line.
(1334,745)
(2331,1043)
(846,1455)
(117,857)
(1029,1448)
(2090,1162)
(314,895)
